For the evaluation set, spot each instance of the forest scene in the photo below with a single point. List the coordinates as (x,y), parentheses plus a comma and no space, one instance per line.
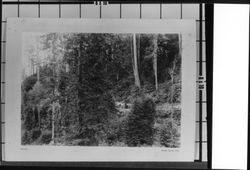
(101,89)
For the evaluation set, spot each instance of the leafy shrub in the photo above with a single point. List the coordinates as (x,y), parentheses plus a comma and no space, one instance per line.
(35,133)
(84,142)
(30,136)
(177,93)
(29,118)
(96,110)
(117,131)
(89,136)
(177,116)
(165,135)
(29,82)
(169,136)
(140,123)
(26,138)
(46,137)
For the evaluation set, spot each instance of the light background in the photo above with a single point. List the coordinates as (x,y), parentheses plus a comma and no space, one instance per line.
(230,86)
(152,11)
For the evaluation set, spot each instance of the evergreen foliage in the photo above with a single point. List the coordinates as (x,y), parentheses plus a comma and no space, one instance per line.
(140,123)
(45,137)
(169,135)
(83,92)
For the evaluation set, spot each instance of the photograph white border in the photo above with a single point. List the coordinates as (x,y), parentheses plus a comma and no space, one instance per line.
(14,151)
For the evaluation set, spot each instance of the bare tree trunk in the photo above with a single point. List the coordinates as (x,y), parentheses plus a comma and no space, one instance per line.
(54,95)
(38,73)
(39,117)
(33,115)
(53,123)
(136,72)
(132,55)
(80,81)
(32,66)
(138,56)
(155,42)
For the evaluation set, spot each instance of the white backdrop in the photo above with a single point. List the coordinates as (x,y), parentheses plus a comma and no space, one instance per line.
(230,87)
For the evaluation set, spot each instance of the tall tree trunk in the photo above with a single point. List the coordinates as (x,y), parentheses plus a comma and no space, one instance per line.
(136,72)
(132,55)
(139,57)
(55,93)
(39,117)
(53,123)
(32,66)
(33,117)
(79,81)
(38,73)
(155,46)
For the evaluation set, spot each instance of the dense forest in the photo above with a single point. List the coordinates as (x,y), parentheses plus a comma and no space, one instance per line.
(101,89)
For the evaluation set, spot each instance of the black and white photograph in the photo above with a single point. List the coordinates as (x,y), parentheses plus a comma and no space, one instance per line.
(101,89)
(89,90)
